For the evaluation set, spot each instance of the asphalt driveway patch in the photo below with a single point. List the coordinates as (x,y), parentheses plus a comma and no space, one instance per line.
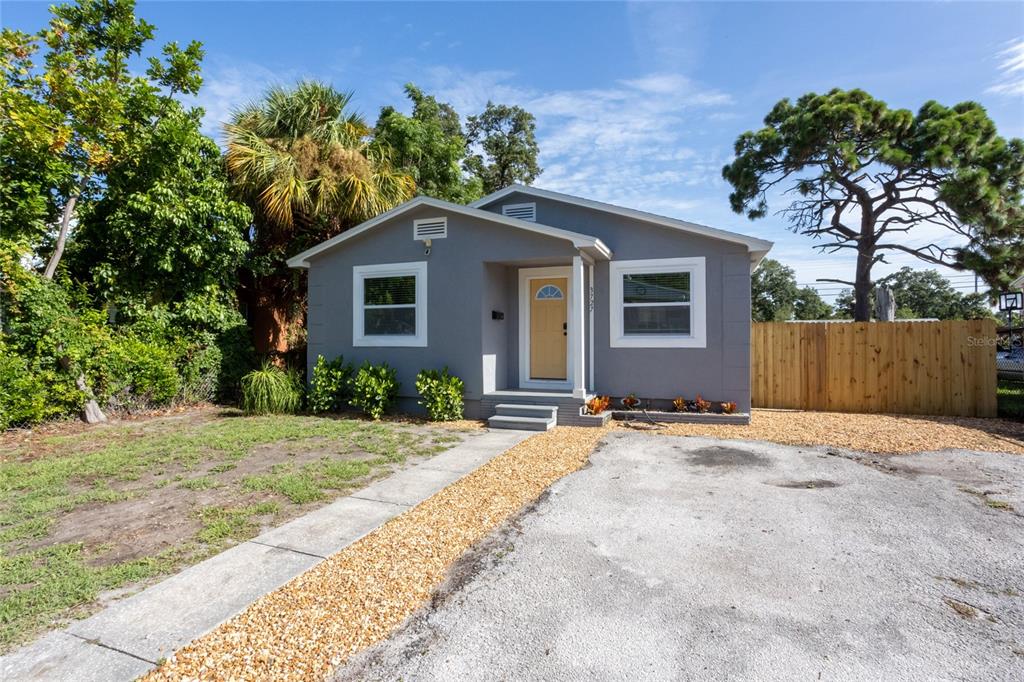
(807,485)
(724,456)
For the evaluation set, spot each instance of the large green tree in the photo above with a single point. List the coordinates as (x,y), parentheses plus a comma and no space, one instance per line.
(775,296)
(925,294)
(872,179)
(68,117)
(430,146)
(308,168)
(505,147)
(165,231)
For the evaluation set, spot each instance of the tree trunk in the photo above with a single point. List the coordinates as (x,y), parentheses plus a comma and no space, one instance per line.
(862,286)
(269,320)
(885,305)
(91,413)
(62,236)
(269,307)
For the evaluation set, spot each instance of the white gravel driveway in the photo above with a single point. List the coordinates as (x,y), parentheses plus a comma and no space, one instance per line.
(688,558)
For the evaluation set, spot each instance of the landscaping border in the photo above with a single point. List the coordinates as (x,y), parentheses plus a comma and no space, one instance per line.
(738,418)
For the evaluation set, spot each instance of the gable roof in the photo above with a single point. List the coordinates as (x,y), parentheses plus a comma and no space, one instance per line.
(758,248)
(592,246)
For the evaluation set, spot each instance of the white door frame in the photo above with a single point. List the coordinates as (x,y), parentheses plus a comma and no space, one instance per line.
(525,275)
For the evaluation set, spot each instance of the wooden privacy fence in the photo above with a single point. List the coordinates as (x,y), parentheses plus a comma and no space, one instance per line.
(937,368)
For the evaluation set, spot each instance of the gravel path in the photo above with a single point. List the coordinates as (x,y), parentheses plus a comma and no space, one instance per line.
(884,433)
(359,595)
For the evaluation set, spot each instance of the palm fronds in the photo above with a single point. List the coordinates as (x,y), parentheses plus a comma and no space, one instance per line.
(301,154)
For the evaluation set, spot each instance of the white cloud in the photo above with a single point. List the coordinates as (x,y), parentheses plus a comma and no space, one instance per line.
(226,87)
(625,143)
(1011,67)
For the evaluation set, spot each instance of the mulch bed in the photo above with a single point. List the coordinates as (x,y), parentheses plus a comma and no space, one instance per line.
(880,433)
(358,596)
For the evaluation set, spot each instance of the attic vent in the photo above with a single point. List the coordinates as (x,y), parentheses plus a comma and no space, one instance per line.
(521,211)
(430,228)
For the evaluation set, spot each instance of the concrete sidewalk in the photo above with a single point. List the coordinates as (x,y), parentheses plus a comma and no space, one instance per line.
(130,637)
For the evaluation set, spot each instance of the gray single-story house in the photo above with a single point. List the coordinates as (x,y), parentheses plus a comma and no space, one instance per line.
(538,299)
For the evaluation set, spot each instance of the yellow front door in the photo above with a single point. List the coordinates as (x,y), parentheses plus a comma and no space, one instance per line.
(548,306)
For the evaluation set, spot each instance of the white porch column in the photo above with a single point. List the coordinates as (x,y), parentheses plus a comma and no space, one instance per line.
(578,335)
(590,304)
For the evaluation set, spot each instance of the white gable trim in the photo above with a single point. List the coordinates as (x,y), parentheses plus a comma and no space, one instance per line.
(758,247)
(592,245)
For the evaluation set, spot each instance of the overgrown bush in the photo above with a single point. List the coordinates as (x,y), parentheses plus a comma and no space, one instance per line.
(131,372)
(329,386)
(271,390)
(23,395)
(374,388)
(441,394)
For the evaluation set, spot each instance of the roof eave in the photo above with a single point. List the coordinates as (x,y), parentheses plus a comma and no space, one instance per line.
(596,248)
(753,244)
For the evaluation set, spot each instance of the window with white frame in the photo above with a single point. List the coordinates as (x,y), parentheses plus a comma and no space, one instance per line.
(389,304)
(657,303)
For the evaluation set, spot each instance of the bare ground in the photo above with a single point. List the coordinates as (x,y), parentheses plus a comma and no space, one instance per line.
(180,486)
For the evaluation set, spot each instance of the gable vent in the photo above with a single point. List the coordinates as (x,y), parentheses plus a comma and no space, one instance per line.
(430,228)
(520,211)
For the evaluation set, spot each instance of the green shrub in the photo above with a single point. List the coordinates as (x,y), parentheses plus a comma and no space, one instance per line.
(271,390)
(23,395)
(133,372)
(374,388)
(329,387)
(238,357)
(441,394)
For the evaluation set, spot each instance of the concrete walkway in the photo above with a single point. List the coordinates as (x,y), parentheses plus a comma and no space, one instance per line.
(131,636)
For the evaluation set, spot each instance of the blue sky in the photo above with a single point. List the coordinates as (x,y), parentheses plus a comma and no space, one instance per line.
(637,103)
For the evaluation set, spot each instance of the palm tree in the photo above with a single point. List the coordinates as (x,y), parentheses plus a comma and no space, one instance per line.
(308,168)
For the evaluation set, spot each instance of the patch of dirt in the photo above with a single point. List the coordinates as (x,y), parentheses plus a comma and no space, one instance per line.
(154,520)
(161,512)
(809,484)
(147,525)
(721,456)
(963,609)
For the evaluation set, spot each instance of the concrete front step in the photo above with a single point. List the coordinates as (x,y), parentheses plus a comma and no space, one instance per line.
(521,410)
(499,421)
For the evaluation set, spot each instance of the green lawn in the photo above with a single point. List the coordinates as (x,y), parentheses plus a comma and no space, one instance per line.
(1010,395)
(92,509)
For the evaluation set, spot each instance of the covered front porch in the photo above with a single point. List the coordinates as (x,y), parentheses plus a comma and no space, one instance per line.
(538,327)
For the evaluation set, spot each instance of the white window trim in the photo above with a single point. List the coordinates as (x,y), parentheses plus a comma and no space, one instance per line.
(697,338)
(362,272)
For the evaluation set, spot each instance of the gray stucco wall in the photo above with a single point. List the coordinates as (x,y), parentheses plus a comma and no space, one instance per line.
(721,371)
(474,271)
(465,282)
